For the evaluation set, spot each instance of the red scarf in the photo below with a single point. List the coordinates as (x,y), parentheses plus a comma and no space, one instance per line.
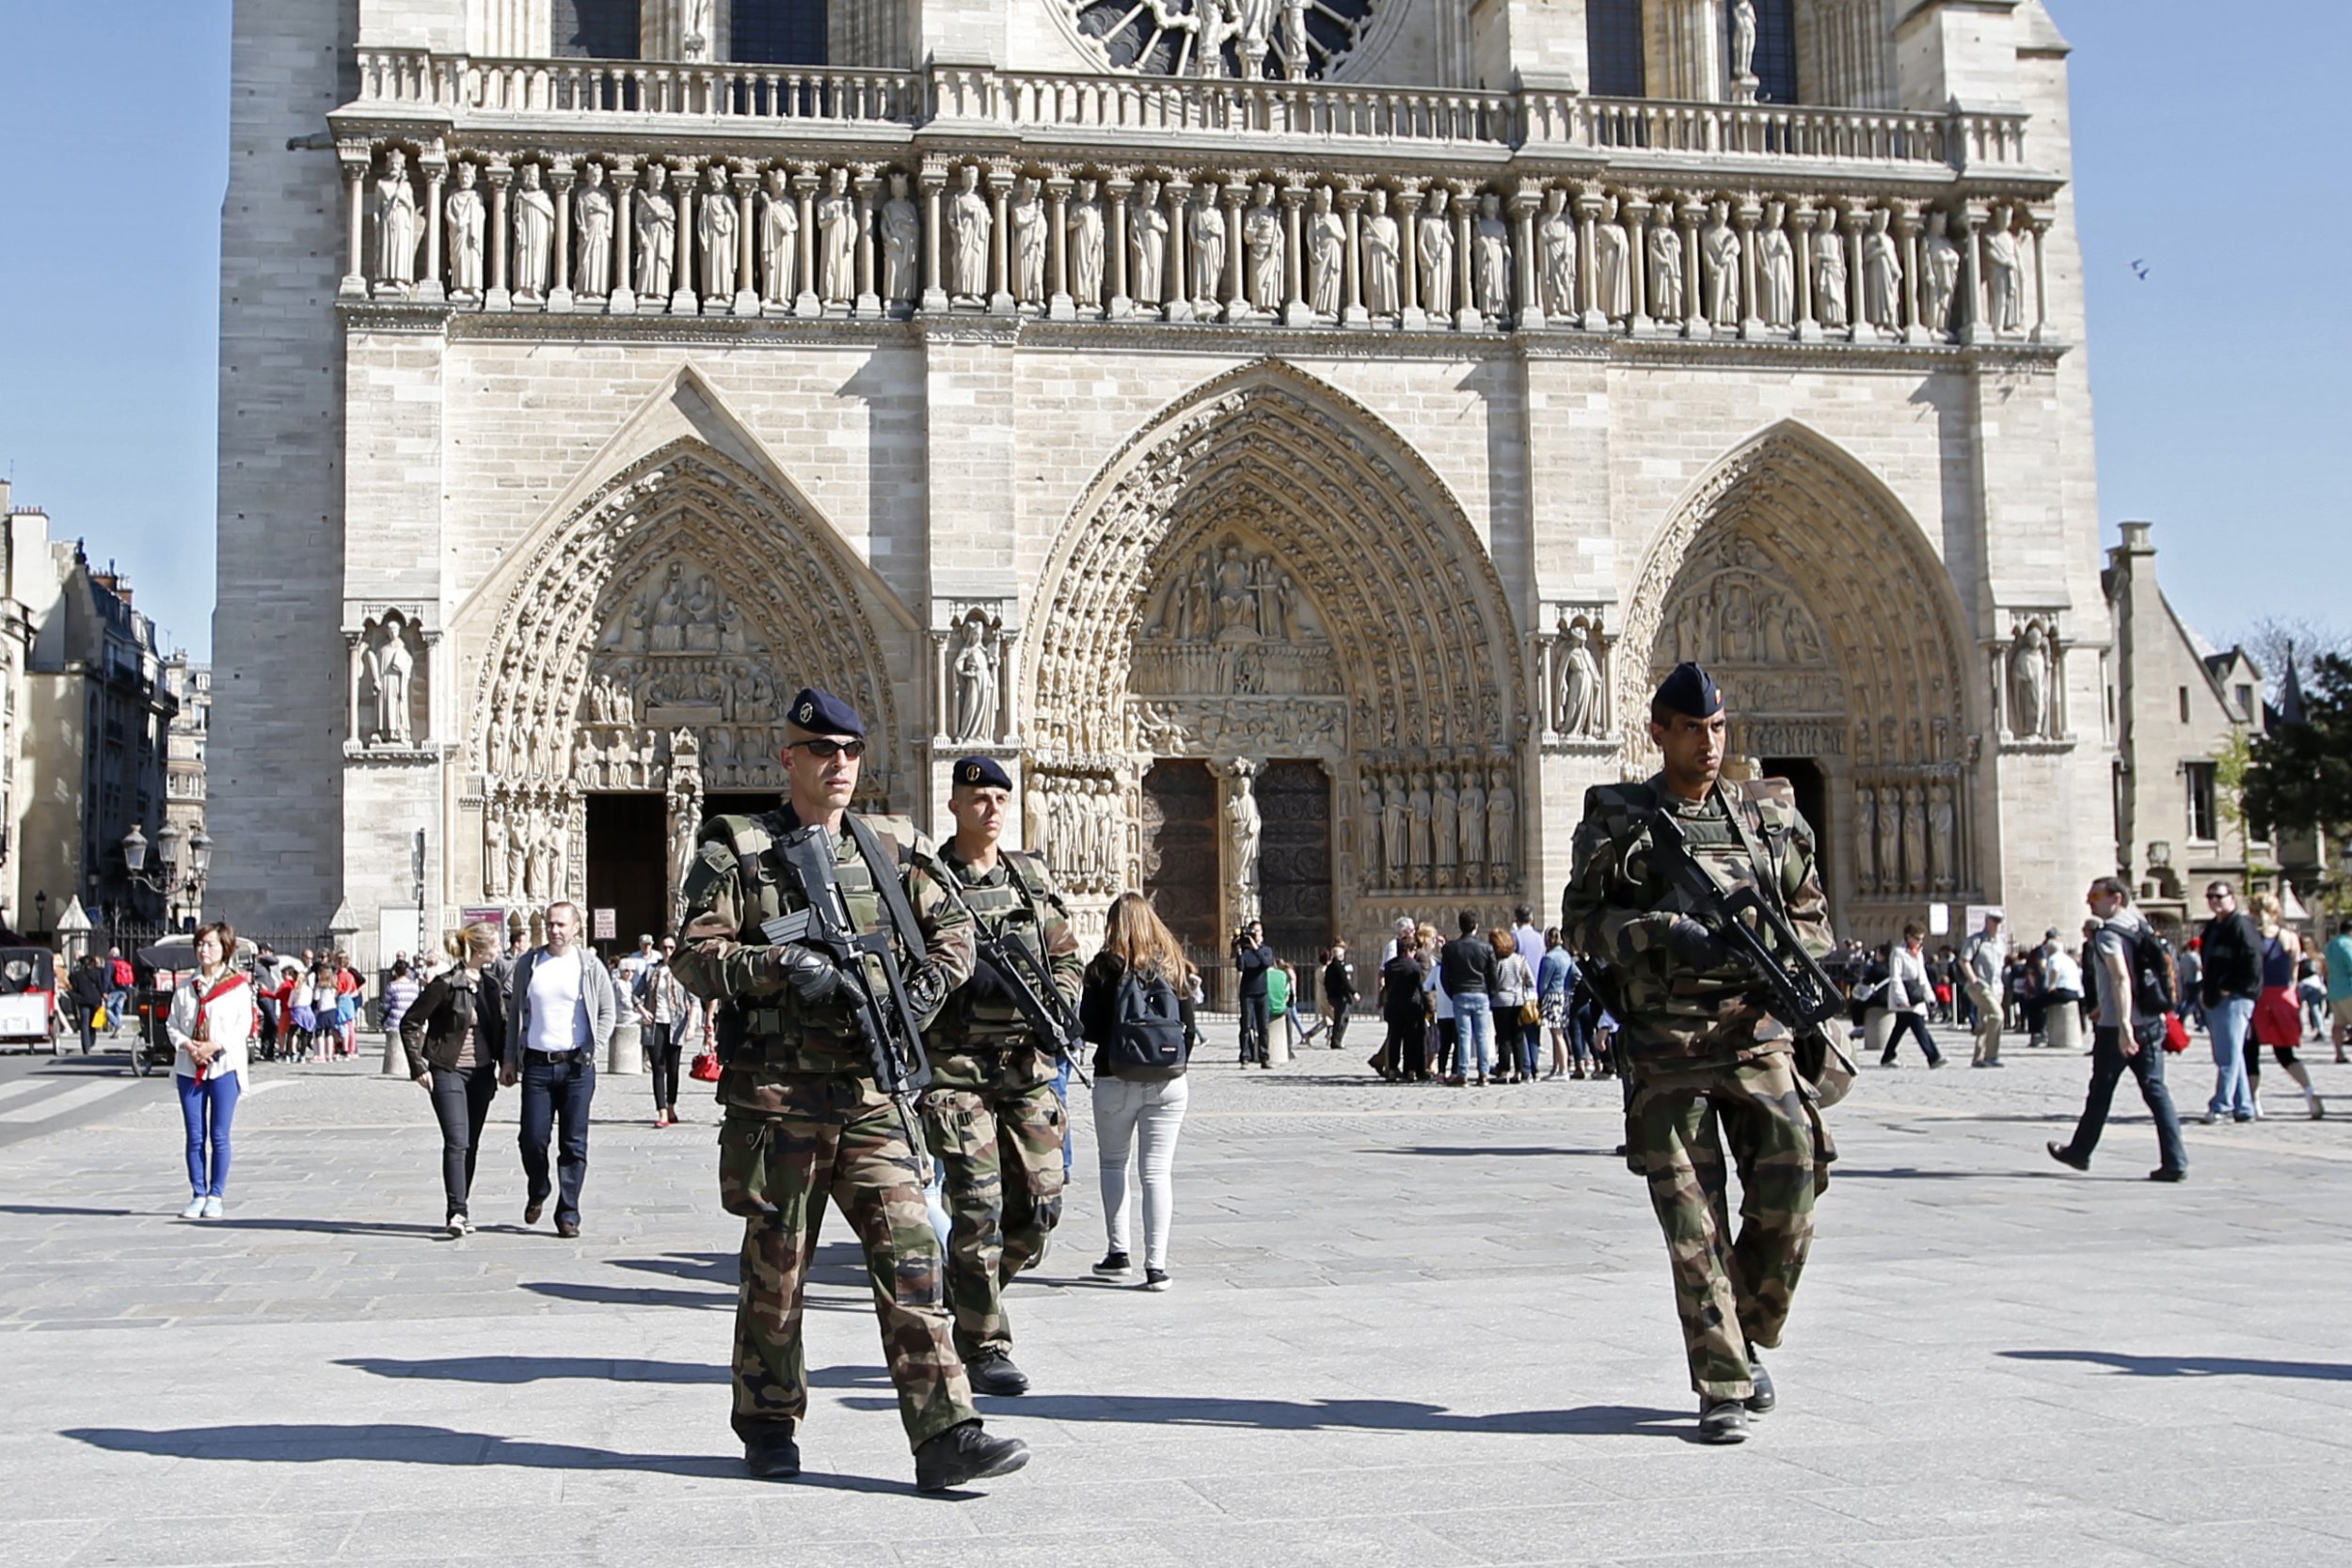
(203,1035)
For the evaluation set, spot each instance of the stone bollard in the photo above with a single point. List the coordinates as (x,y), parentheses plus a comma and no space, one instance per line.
(626,1055)
(395,1059)
(1878,1027)
(2063,1026)
(1278,1041)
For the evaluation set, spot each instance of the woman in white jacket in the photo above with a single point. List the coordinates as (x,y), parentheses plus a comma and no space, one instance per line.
(1907,995)
(212,1023)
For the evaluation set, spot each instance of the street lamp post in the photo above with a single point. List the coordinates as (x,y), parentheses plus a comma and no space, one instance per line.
(176,886)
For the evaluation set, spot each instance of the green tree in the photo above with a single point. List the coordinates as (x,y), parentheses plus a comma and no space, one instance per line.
(2299,776)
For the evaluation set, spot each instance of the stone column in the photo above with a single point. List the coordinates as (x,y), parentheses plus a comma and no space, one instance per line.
(2040,221)
(1296,311)
(1467,316)
(1000,300)
(746,184)
(867,185)
(934,183)
(1907,226)
(807,302)
(1409,204)
(497,298)
(1058,305)
(686,188)
(1525,199)
(1007,690)
(1635,210)
(1855,295)
(1593,318)
(1236,295)
(1800,233)
(1119,307)
(355,166)
(559,177)
(1965,216)
(1748,213)
(1352,311)
(1174,271)
(436,167)
(622,301)
(1687,212)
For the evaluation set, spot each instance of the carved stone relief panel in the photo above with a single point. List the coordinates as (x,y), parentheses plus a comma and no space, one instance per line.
(1439,824)
(1083,822)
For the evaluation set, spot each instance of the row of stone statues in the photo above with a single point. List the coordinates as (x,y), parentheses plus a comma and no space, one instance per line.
(728,236)
(1906,839)
(1440,829)
(523,847)
(1080,825)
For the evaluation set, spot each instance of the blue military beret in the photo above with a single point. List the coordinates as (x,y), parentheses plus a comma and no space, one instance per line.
(982,773)
(1692,691)
(822,713)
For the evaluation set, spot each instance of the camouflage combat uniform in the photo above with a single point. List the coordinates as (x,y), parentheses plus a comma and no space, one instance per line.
(806,1120)
(991,1115)
(1709,1067)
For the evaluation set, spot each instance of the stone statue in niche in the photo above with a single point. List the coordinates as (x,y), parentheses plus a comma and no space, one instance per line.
(1445,823)
(1502,826)
(592,211)
(969,226)
(1473,827)
(1941,273)
(2030,682)
(1243,829)
(1580,684)
(1146,244)
(1942,825)
(715,234)
(1743,45)
(1084,223)
(1490,245)
(1026,236)
(1555,243)
(1261,232)
(385,665)
(1890,816)
(656,222)
(493,851)
(902,244)
(534,237)
(1395,831)
(837,240)
(1370,818)
(779,240)
(1383,253)
(394,202)
(1776,268)
(518,854)
(2002,274)
(1665,273)
(1207,226)
(1916,838)
(1418,809)
(695,30)
(1865,841)
(463,222)
(1719,246)
(1612,256)
(1829,271)
(1327,256)
(974,675)
(1216,23)
(1881,275)
(1433,241)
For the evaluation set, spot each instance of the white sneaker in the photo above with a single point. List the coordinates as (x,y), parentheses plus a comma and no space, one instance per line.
(212,1209)
(195,1210)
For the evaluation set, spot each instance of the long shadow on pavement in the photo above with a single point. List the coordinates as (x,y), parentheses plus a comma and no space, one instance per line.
(536,1369)
(313,1444)
(2190,1365)
(1339,1415)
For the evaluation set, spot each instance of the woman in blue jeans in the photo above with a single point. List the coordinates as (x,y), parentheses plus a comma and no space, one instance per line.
(211,1023)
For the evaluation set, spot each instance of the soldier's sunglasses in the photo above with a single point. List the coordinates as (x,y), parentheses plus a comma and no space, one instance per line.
(830,749)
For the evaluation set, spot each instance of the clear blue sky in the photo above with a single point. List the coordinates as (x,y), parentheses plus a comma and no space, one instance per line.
(2203,141)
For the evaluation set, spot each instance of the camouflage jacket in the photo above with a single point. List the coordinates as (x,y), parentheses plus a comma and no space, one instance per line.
(1617,907)
(1018,901)
(736,883)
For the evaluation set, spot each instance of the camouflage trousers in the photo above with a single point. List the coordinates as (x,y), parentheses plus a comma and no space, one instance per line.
(776,1171)
(999,1153)
(1731,1292)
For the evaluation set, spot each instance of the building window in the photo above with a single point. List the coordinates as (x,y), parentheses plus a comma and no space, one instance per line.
(2184,704)
(2246,703)
(2202,816)
(595,29)
(1613,38)
(1776,51)
(777,31)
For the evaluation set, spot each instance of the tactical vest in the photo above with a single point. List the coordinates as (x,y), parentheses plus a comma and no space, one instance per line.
(1010,909)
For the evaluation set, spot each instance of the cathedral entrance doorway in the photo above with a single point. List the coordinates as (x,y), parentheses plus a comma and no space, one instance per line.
(1806,777)
(1295,859)
(1180,853)
(629,847)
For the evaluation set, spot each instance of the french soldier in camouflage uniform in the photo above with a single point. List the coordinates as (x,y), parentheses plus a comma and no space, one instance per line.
(807,1119)
(994,1114)
(1709,1070)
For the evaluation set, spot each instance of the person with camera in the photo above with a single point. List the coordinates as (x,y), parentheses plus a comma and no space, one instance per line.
(813,1112)
(1252,960)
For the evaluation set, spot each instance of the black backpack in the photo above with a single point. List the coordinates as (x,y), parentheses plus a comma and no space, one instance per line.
(1146,1027)
(2155,980)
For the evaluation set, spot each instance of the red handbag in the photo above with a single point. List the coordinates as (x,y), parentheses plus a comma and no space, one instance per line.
(705,1068)
(2175,1033)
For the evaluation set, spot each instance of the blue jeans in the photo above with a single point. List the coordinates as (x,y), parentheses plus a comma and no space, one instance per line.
(2107,1066)
(207,1108)
(1474,1034)
(2226,1024)
(556,1089)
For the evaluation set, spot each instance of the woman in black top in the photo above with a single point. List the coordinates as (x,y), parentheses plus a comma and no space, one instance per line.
(87,988)
(454,1034)
(1137,1111)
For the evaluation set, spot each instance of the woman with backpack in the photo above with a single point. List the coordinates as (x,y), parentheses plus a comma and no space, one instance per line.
(1130,1011)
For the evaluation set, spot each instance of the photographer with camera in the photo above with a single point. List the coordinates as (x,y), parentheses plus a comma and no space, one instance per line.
(1253,958)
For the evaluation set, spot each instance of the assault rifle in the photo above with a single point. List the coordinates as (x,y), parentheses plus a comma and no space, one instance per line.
(886,1018)
(1029,982)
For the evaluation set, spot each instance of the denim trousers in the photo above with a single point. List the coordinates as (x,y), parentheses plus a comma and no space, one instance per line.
(1474,1035)
(2226,1025)
(556,1090)
(207,1109)
(2107,1066)
(461,1102)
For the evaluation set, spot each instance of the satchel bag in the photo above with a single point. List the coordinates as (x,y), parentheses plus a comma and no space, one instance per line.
(705,1068)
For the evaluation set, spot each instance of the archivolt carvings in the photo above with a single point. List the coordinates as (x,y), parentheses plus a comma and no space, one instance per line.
(1266,477)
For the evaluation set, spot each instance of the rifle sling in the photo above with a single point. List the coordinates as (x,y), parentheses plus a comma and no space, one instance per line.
(884,870)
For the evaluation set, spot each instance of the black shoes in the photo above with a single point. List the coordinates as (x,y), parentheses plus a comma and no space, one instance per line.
(776,1458)
(1764,1397)
(965,1454)
(2166,1173)
(530,1213)
(2067,1157)
(567,1229)
(1114,1264)
(1723,1420)
(1155,1279)
(996,1375)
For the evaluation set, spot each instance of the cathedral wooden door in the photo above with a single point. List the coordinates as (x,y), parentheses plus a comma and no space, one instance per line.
(1181,857)
(1294,858)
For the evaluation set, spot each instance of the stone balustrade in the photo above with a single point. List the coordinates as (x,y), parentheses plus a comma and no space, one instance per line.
(1646,254)
(1145,114)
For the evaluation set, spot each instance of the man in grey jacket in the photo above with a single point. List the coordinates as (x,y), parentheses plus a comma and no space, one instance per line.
(561,1005)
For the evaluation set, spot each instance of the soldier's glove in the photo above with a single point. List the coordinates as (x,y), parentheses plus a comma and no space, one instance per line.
(813,977)
(1695,945)
(927,991)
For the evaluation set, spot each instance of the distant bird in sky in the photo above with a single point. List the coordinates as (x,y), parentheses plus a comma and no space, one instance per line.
(2140,270)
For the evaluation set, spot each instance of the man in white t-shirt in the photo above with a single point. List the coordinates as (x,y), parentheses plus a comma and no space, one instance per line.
(560,1006)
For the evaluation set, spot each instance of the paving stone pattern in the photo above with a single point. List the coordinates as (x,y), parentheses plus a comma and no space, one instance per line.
(1409,1326)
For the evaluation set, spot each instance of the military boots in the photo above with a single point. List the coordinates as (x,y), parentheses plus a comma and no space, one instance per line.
(964,1453)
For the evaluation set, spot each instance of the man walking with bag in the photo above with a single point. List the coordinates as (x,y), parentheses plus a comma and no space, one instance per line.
(2132,977)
